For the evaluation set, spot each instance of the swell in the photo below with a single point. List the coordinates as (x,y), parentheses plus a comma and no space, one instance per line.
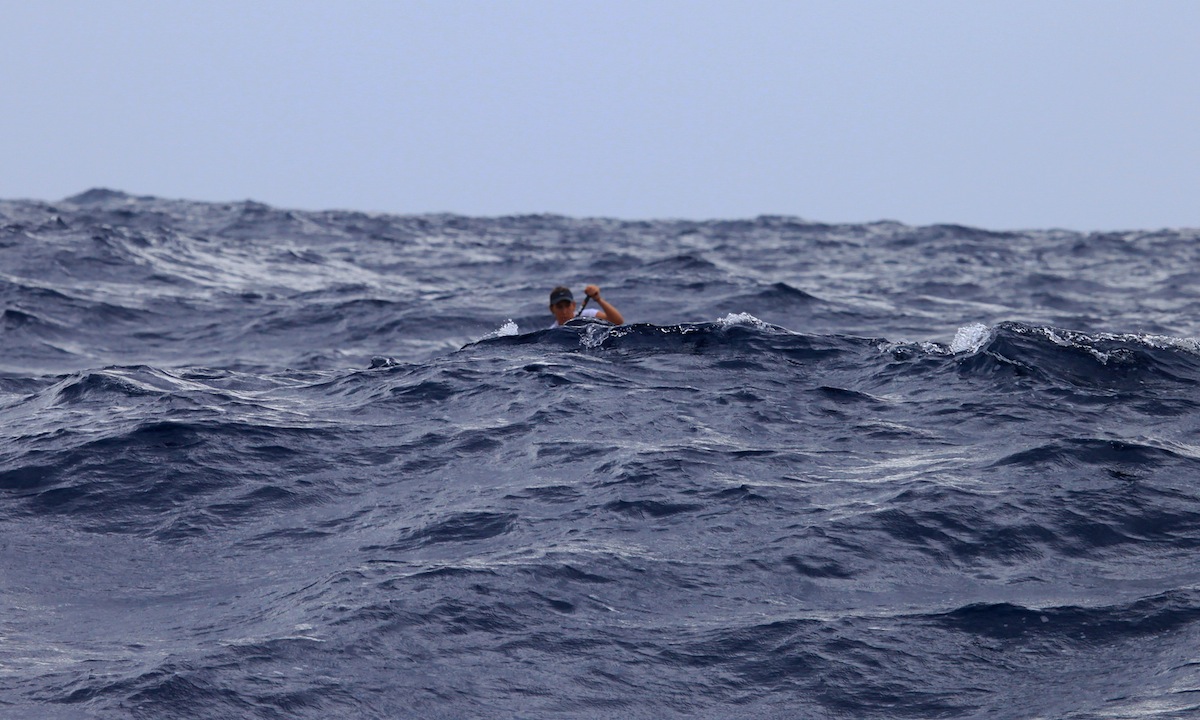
(821,473)
(1073,625)
(736,334)
(168,479)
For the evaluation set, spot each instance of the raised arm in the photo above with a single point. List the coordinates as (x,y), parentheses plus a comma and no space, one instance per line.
(607,311)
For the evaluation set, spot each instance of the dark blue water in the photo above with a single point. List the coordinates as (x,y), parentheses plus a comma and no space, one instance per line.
(267,464)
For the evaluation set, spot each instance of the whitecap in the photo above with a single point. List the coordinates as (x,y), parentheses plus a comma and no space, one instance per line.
(740,319)
(970,338)
(508,329)
(594,335)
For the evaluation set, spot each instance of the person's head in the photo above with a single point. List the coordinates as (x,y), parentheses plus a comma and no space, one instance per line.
(562,304)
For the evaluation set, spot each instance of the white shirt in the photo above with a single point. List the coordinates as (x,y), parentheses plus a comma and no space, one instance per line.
(587,312)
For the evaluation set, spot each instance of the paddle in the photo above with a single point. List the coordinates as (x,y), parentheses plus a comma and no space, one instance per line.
(584,305)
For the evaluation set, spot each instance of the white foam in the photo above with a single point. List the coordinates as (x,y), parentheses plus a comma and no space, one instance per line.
(970,338)
(508,329)
(741,319)
(593,336)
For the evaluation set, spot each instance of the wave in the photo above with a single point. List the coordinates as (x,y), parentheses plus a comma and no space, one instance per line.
(1152,368)
(114,484)
(1092,451)
(735,333)
(822,472)
(1147,364)
(1075,625)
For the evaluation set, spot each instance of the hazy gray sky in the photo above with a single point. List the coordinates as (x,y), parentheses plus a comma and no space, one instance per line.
(1012,114)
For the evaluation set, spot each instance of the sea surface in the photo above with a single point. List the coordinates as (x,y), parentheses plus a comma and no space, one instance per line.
(264,463)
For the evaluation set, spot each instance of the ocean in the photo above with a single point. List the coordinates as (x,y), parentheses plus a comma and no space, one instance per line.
(266,463)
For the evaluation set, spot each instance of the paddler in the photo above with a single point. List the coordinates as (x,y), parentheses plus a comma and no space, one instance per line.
(562,304)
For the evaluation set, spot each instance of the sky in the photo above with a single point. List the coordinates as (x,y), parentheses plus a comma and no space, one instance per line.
(1018,114)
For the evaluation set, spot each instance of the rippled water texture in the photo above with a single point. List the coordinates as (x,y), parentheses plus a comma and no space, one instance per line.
(269,464)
